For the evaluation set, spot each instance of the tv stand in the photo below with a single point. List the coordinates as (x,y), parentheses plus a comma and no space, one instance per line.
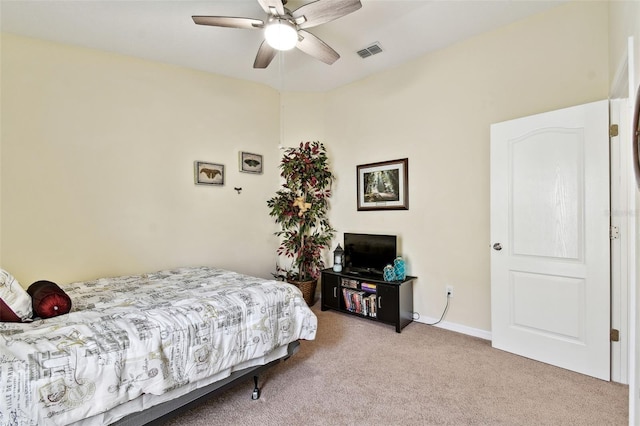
(370,298)
(363,275)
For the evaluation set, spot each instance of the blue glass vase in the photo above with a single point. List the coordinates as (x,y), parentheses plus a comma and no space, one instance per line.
(388,273)
(400,268)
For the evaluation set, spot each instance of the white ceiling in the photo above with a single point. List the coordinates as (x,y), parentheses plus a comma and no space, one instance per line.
(162,30)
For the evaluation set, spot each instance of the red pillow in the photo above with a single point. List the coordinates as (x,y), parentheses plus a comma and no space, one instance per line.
(7,314)
(48,299)
(15,302)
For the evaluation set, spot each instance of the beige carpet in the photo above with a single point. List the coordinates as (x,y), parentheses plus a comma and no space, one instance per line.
(359,372)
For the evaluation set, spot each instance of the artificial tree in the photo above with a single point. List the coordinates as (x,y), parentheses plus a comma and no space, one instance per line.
(300,207)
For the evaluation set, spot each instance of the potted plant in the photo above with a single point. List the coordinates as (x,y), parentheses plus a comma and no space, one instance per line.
(300,208)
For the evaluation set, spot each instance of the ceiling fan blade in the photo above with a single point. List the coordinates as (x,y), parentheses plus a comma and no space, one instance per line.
(270,6)
(321,11)
(228,21)
(313,46)
(265,55)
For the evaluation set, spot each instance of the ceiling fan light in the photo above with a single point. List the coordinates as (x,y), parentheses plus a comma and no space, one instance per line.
(281,34)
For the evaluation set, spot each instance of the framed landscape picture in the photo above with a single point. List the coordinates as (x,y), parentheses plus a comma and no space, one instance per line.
(384,185)
(209,173)
(250,163)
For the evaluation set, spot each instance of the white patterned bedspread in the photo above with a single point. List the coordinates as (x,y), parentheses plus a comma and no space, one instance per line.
(144,334)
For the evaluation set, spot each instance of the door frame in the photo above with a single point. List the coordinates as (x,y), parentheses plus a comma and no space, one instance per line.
(624,86)
(622,247)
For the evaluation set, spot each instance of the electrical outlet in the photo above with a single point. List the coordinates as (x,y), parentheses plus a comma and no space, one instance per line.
(449,291)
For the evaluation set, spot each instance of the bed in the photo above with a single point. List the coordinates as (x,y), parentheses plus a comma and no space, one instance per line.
(135,348)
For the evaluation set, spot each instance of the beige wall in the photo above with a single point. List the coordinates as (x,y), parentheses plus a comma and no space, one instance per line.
(624,22)
(303,118)
(97,165)
(437,111)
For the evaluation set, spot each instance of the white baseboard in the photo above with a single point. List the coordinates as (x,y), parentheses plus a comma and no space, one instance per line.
(458,328)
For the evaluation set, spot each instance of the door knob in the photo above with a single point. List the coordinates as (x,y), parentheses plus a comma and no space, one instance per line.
(497,246)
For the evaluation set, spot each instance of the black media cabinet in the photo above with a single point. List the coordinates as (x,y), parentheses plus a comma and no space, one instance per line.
(374,299)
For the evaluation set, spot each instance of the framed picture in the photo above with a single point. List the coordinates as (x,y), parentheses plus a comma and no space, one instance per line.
(209,173)
(384,185)
(250,163)
(636,139)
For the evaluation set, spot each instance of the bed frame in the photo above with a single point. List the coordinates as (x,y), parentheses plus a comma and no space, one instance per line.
(161,413)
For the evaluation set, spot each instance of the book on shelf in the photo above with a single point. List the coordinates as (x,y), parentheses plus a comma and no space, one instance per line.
(346,282)
(359,302)
(368,287)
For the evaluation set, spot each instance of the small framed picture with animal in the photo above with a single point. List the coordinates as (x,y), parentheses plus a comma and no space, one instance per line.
(209,173)
(250,163)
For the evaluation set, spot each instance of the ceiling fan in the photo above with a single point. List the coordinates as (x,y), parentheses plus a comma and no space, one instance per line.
(285,29)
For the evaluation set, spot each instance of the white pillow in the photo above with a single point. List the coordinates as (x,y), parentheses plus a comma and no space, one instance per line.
(14,298)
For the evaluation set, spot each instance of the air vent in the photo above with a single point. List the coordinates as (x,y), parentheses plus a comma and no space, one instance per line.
(370,50)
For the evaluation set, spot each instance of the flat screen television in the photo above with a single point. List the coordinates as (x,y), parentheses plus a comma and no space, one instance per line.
(368,254)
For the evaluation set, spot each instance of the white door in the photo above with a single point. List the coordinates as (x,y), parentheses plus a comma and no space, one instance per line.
(550,291)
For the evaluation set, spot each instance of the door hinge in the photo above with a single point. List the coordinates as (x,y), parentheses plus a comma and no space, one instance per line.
(613,130)
(614,232)
(615,335)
